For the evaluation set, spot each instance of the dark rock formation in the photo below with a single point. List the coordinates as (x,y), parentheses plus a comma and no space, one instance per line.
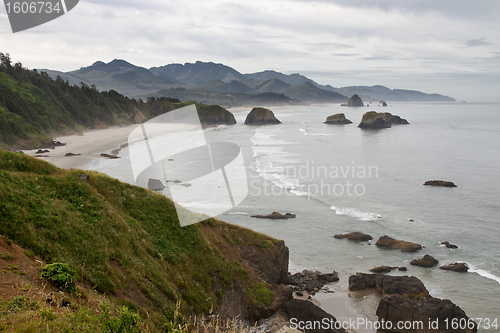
(355,101)
(356,236)
(402,269)
(391,243)
(109,156)
(155,184)
(457,267)
(397,308)
(40,151)
(382,269)
(261,116)
(337,119)
(383,103)
(405,299)
(214,115)
(311,281)
(305,311)
(373,119)
(426,261)
(449,245)
(441,183)
(275,215)
(71,154)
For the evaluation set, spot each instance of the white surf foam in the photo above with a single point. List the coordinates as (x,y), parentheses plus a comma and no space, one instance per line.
(483,273)
(352,212)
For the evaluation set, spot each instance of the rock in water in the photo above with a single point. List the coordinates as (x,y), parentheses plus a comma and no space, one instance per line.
(155,184)
(456,267)
(355,101)
(405,299)
(391,243)
(275,215)
(214,115)
(261,116)
(337,119)
(373,119)
(383,103)
(356,236)
(381,269)
(426,261)
(441,183)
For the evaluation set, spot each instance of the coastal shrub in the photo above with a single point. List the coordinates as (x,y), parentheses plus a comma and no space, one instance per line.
(260,294)
(60,274)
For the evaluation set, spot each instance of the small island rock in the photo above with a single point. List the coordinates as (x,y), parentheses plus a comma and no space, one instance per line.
(373,119)
(449,245)
(275,215)
(391,243)
(355,101)
(426,261)
(261,116)
(356,236)
(456,267)
(381,269)
(441,183)
(337,119)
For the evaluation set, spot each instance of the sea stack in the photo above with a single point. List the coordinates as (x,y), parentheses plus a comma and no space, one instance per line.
(261,116)
(337,119)
(355,101)
(214,115)
(373,119)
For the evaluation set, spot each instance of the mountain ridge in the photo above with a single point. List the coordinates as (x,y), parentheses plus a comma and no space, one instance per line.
(139,82)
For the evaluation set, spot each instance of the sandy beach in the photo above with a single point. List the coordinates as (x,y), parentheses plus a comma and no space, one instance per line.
(89,146)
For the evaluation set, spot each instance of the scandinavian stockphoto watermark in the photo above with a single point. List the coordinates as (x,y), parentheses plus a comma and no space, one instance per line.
(170,153)
(25,15)
(311,180)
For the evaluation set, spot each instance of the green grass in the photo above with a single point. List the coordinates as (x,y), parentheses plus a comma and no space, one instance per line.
(120,239)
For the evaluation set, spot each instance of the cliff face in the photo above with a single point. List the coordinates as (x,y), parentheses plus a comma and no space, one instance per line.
(261,116)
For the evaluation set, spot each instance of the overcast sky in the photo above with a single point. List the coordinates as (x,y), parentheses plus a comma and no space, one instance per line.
(450,47)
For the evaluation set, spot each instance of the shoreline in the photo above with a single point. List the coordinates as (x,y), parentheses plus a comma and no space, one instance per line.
(89,145)
(95,142)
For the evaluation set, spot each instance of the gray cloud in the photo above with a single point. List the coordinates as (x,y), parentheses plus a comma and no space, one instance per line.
(476,42)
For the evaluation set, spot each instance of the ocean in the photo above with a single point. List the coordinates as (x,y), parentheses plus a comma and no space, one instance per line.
(340,178)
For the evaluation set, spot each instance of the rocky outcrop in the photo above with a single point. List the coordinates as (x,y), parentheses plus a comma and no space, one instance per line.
(155,184)
(109,156)
(449,245)
(373,119)
(261,116)
(355,236)
(275,215)
(304,311)
(456,267)
(214,115)
(71,154)
(394,244)
(426,261)
(441,183)
(405,299)
(383,103)
(382,269)
(337,119)
(311,281)
(355,101)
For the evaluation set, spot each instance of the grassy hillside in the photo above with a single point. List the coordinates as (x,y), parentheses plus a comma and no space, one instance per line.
(33,107)
(125,242)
